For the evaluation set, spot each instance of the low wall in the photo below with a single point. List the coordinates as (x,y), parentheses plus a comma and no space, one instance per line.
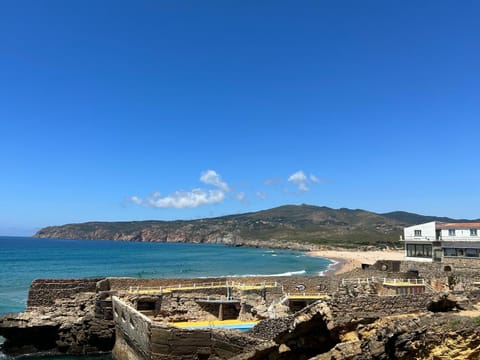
(462,264)
(140,338)
(132,328)
(44,292)
(173,343)
(347,308)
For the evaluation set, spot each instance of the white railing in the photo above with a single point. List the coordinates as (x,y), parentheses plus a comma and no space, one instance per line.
(387,281)
(306,295)
(448,238)
(358,281)
(459,238)
(419,238)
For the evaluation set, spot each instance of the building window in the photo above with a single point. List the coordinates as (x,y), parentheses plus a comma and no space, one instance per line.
(473,232)
(461,252)
(449,252)
(419,250)
(451,232)
(471,252)
(417,233)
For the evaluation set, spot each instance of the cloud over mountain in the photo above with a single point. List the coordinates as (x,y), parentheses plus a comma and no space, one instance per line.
(189,199)
(302,181)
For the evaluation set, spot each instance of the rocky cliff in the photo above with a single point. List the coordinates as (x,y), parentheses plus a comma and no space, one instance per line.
(282,227)
(62,317)
(321,333)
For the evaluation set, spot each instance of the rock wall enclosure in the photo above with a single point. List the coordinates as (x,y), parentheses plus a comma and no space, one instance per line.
(44,292)
(76,317)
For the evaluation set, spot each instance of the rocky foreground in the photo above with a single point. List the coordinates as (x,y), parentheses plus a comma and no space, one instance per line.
(317,335)
(68,326)
(76,317)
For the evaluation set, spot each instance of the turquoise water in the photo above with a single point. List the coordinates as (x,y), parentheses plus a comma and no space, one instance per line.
(23,259)
(91,357)
(241,327)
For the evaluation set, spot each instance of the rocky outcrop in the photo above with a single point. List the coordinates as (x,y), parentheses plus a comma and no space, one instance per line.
(77,324)
(316,335)
(301,337)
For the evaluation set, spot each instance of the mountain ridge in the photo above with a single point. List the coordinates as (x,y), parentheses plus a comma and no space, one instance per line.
(286,226)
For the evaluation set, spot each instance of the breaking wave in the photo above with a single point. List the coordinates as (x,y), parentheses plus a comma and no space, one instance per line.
(288,273)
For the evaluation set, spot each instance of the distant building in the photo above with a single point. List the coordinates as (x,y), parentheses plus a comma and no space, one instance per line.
(442,242)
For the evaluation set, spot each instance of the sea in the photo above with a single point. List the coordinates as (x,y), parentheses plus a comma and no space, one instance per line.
(23,259)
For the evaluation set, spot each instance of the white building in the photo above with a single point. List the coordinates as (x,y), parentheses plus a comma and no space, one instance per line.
(438,241)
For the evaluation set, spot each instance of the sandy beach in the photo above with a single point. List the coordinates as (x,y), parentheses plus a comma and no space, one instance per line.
(347,260)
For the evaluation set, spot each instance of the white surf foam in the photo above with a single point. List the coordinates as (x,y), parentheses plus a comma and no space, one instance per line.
(329,267)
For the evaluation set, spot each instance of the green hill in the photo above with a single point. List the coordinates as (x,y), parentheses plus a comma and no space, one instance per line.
(284,226)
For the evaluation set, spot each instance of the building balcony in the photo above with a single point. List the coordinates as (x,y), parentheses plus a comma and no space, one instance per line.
(440,238)
(418,238)
(460,238)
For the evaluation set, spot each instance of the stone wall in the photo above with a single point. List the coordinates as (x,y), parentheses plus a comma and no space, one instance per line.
(346,309)
(172,343)
(454,274)
(184,307)
(460,264)
(132,328)
(138,338)
(44,292)
(191,305)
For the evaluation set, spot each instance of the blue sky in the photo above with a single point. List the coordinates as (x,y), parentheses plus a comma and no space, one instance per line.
(116,110)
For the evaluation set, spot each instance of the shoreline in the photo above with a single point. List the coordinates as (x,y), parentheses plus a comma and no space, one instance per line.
(348,260)
(343,260)
(334,267)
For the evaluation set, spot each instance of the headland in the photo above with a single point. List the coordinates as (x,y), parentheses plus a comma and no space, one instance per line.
(302,227)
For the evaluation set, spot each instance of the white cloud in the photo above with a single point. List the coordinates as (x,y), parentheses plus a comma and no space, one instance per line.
(241,196)
(210,177)
(314,179)
(189,199)
(261,195)
(302,181)
(135,200)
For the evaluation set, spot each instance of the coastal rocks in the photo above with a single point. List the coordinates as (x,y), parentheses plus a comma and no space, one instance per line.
(27,340)
(413,336)
(271,328)
(448,302)
(68,326)
(383,328)
(304,336)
